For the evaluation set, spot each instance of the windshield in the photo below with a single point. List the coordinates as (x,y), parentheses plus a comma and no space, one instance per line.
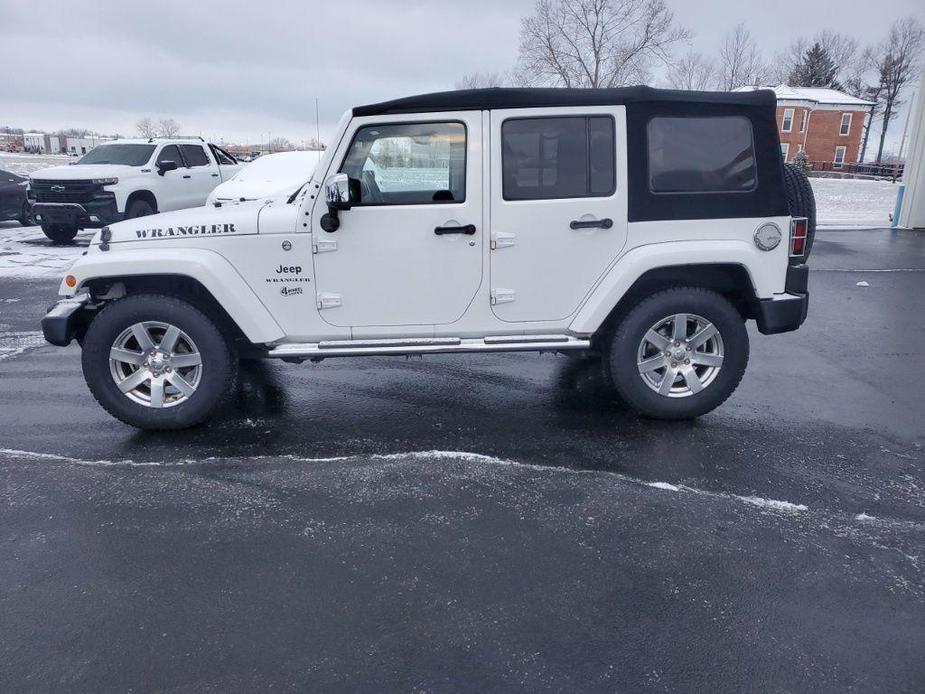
(125,155)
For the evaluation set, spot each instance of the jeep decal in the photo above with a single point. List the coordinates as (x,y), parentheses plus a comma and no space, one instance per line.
(196,230)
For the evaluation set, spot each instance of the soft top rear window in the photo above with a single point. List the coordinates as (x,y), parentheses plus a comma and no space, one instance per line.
(701,154)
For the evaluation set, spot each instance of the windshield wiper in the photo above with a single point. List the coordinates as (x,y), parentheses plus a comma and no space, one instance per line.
(297,191)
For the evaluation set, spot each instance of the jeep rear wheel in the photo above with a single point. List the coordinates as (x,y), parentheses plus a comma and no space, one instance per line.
(157,362)
(59,233)
(679,354)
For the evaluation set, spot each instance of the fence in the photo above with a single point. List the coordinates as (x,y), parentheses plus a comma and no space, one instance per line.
(882,170)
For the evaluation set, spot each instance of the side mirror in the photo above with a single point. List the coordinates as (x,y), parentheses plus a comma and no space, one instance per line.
(165,166)
(341,191)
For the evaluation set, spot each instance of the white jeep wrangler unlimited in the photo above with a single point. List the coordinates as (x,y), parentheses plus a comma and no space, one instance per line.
(643,225)
(125,179)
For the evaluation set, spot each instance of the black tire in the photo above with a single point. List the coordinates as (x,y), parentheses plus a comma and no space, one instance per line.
(59,233)
(219,361)
(629,383)
(25,217)
(801,200)
(139,208)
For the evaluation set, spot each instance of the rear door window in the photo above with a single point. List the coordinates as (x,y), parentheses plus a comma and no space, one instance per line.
(701,155)
(554,158)
(195,155)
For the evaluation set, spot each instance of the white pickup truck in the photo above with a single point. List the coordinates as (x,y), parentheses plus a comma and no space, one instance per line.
(125,179)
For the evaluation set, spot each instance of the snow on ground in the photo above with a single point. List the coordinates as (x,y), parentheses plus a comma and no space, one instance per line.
(854,203)
(24,164)
(25,252)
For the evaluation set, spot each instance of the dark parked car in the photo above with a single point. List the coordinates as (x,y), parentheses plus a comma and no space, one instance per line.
(13,201)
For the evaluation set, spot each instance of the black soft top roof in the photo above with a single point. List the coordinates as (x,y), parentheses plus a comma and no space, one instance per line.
(505,97)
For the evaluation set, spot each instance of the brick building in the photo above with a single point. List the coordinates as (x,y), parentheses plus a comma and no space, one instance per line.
(825,123)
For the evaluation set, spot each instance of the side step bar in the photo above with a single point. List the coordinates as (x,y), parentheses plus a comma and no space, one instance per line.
(432,345)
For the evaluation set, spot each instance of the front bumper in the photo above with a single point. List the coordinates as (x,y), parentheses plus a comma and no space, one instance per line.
(86,215)
(67,319)
(786,312)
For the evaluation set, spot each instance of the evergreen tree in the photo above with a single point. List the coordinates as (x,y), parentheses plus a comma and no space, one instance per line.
(815,69)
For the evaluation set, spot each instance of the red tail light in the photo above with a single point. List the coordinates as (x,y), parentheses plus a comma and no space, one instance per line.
(799,227)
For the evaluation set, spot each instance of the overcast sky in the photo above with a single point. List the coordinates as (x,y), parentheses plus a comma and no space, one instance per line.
(238,70)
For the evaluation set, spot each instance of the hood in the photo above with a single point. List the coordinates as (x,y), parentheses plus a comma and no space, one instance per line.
(80,172)
(182,226)
(234,189)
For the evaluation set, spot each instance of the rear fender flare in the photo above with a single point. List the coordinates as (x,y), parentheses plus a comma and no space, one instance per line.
(767,276)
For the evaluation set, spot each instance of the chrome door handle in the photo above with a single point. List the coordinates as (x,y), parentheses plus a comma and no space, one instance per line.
(468,229)
(605,223)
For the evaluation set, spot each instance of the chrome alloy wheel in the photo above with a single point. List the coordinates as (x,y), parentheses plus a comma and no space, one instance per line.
(680,355)
(155,364)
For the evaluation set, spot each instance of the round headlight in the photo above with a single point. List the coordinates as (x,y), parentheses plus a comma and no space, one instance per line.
(768,236)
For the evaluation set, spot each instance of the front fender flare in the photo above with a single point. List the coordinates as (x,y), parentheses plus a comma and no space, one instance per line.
(635,263)
(207,267)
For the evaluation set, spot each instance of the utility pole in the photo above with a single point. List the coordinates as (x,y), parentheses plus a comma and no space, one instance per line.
(317,130)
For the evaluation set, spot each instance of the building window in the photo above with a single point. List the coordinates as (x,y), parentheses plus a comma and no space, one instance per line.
(787,125)
(701,155)
(803,117)
(839,156)
(784,149)
(845,124)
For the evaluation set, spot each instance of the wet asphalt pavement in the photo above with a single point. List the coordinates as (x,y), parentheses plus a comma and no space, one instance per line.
(487,523)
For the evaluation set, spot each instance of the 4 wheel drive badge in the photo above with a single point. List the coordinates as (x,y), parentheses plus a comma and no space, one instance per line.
(290,291)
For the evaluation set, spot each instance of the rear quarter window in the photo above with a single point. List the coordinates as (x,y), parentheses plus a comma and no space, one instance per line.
(688,154)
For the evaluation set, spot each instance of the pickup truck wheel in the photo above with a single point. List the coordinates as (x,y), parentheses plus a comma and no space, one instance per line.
(156,362)
(679,354)
(59,233)
(139,208)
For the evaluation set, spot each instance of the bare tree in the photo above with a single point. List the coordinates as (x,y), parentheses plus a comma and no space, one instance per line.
(479,80)
(856,83)
(279,144)
(595,43)
(168,127)
(897,65)
(841,48)
(145,127)
(740,62)
(692,71)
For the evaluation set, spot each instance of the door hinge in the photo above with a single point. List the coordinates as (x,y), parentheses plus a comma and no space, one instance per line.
(324,245)
(501,239)
(327,300)
(502,296)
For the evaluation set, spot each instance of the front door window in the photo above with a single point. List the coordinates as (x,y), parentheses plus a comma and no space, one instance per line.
(409,163)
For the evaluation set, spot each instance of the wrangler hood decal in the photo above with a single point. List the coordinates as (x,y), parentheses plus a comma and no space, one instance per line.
(193,223)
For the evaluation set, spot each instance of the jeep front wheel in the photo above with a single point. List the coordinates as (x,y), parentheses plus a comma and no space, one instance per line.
(157,362)
(59,233)
(679,354)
